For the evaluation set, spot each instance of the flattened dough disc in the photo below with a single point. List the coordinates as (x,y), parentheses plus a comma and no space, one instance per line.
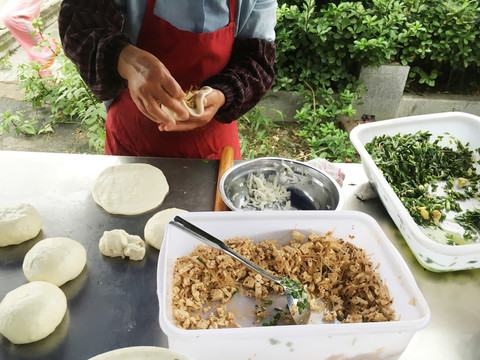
(141,353)
(155,226)
(130,189)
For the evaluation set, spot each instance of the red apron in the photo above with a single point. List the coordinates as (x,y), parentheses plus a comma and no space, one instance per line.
(191,58)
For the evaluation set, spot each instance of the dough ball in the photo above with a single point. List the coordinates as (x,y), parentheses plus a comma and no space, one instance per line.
(130,189)
(155,227)
(193,102)
(18,223)
(31,312)
(118,242)
(56,260)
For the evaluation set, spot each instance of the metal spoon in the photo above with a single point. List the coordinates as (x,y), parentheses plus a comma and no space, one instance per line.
(298,299)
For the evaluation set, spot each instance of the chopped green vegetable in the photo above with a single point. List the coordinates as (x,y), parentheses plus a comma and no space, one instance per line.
(260,307)
(274,321)
(413,165)
(298,292)
(470,220)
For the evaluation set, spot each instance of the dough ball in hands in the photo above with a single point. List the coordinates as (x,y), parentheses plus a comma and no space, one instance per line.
(56,260)
(31,312)
(130,189)
(18,223)
(193,102)
(155,228)
(115,243)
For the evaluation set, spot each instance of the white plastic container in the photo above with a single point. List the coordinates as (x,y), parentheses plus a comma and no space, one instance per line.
(319,340)
(430,254)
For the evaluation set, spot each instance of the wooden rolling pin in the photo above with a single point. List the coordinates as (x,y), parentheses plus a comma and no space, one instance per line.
(226,162)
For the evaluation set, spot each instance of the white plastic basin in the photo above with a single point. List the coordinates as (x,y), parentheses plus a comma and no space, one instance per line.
(381,340)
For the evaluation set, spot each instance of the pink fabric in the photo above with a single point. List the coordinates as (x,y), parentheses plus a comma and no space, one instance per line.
(18,15)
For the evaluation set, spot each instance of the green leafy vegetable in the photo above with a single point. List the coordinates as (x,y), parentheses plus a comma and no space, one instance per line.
(414,165)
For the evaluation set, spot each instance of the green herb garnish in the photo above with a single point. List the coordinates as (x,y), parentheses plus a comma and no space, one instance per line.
(274,321)
(298,292)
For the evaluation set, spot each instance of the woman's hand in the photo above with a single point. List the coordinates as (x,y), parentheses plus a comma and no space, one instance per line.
(212,102)
(151,84)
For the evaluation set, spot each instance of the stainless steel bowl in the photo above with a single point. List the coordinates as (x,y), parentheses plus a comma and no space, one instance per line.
(310,188)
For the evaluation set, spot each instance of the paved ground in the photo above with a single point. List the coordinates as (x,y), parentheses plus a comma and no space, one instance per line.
(65,138)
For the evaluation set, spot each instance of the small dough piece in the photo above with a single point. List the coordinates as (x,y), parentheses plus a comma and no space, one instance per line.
(118,242)
(193,102)
(18,223)
(31,312)
(155,227)
(56,260)
(130,189)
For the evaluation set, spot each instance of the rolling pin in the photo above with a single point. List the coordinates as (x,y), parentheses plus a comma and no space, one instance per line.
(226,162)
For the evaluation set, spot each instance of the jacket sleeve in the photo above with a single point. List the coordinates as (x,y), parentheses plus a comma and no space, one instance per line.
(246,79)
(91,36)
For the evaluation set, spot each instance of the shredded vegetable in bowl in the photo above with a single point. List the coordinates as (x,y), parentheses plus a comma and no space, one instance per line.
(278,184)
(271,192)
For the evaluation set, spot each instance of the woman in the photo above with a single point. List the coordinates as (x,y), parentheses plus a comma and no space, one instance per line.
(146,53)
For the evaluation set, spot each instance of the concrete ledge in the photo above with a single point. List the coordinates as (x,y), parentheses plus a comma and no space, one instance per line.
(409,105)
(419,105)
(7,42)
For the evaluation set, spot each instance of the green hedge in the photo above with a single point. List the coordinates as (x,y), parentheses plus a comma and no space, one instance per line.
(321,46)
(323,43)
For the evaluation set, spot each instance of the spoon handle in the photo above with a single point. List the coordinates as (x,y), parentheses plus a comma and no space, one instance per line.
(211,240)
